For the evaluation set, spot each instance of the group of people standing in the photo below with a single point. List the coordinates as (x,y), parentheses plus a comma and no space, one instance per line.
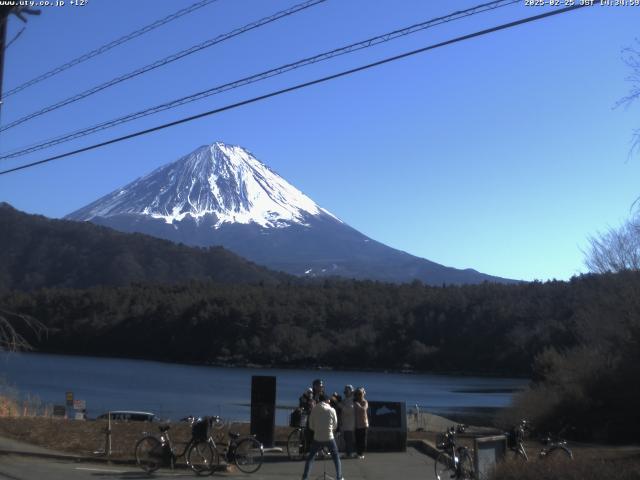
(329,414)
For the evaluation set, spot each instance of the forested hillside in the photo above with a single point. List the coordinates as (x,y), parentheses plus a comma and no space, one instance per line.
(38,252)
(487,328)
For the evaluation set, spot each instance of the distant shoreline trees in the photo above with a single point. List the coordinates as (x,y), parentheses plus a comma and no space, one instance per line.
(487,328)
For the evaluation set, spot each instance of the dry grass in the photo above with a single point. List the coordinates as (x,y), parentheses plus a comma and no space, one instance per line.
(592,462)
(9,407)
(86,437)
(82,437)
(12,406)
(564,469)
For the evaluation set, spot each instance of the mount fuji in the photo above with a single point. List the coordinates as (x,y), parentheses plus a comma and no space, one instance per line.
(221,194)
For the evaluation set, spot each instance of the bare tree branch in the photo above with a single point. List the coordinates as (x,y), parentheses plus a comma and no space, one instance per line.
(631,57)
(11,327)
(615,250)
(635,142)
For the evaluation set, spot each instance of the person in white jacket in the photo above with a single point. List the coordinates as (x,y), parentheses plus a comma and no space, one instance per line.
(323,421)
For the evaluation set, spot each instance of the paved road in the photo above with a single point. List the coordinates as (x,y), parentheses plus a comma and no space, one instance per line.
(377,466)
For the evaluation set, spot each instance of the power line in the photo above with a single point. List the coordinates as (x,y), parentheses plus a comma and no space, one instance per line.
(108,46)
(370,42)
(166,60)
(299,86)
(15,37)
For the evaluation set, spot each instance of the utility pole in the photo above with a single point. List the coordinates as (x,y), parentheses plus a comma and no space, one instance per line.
(4,20)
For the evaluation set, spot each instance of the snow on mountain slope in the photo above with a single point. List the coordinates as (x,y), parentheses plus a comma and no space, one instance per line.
(221,180)
(222,195)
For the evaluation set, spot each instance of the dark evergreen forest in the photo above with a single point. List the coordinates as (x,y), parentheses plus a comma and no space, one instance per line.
(490,328)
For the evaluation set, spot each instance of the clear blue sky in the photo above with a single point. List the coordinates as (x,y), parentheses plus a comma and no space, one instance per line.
(502,153)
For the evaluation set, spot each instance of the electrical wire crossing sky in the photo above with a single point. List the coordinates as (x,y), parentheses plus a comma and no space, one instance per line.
(367,43)
(501,153)
(103,48)
(259,98)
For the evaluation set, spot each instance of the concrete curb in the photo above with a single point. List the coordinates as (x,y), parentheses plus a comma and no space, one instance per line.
(69,458)
(82,459)
(424,446)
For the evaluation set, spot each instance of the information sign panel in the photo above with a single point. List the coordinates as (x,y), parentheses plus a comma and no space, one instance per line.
(387,426)
(489,451)
(59,410)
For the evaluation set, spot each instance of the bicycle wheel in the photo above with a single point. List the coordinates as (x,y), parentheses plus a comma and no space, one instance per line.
(295,444)
(149,453)
(218,432)
(520,453)
(466,465)
(202,458)
(249,455)
(444,467)
(560,452)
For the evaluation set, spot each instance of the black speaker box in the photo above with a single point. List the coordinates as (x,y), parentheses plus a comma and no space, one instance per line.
(263,408)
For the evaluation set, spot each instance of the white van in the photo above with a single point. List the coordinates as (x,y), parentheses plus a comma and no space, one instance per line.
(128,416)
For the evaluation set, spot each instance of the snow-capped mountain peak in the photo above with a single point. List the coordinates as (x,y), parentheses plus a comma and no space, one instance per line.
(221,195)
(220,180)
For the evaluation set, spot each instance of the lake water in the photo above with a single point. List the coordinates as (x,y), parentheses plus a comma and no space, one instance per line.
(174,391)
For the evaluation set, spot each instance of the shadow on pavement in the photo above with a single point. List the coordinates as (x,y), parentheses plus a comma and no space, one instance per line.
(126,475)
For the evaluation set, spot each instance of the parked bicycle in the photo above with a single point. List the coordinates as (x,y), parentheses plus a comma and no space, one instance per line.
(297,443)
(246,452)
(152,452)
(552,446)
(455,461)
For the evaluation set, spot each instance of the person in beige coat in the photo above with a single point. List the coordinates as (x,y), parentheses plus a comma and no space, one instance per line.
(362,420)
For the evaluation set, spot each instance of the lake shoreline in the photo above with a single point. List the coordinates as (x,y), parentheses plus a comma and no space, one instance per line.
(175,391)
(318,368)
